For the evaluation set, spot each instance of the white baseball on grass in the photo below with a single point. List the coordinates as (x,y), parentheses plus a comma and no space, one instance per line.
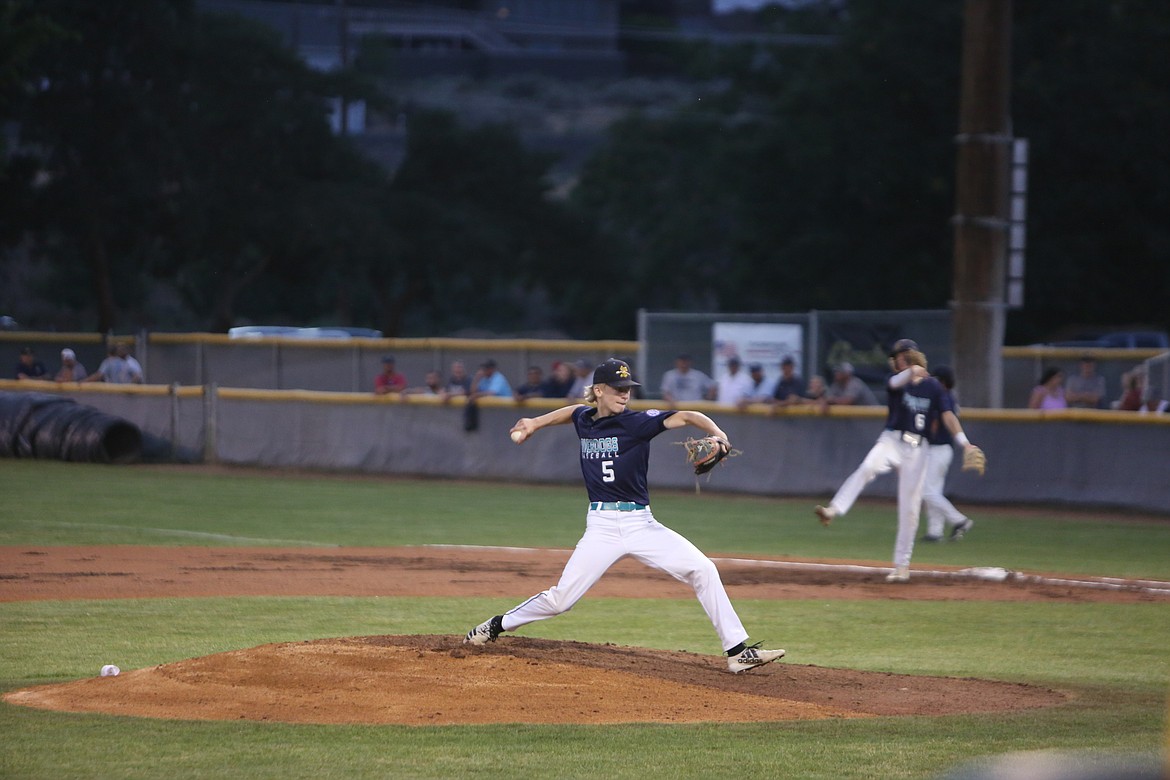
(517,436)
(109,670)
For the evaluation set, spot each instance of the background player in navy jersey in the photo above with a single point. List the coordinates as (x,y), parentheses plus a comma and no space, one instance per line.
(940,512)
(615,456)
(916,402)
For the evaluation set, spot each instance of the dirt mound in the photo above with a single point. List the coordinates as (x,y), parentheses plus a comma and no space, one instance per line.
(436,680)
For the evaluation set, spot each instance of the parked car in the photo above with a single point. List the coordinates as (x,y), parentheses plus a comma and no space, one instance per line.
(260,331)
(289,332)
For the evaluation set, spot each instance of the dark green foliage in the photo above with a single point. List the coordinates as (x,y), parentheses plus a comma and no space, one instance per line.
(176,170)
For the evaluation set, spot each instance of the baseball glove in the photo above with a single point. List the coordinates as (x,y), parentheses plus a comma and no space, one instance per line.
(704,454)
(974,460)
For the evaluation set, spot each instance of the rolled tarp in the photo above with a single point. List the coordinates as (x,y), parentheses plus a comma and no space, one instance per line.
(43,425)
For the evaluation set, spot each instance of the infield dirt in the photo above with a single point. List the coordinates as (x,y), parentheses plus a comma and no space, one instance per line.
(432,680)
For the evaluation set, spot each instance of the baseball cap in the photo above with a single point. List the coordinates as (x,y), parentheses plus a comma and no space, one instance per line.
(27,351)
(388,359)
(755,367)
(788,361)
(615,373)
(945,375)
(489,363)
(845,367)
(68,354)
(903,345)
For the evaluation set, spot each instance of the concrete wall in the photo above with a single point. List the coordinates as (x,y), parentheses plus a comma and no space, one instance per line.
(1084,458)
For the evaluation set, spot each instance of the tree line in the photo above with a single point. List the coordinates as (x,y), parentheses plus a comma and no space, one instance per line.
(175,170)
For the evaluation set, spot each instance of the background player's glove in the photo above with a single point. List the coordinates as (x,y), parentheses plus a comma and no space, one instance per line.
(705,453)
(974,460)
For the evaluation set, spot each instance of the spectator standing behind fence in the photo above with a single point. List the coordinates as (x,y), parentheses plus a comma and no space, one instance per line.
(847,389)
(1085,389)
(116,369)
(1131,391)
(123,351)
(582,378)
(458,382)
(433,385)
(815,392)
(28,366)
(71,370)
(733,385)
(789,385)
(684,382)
(1049,393)
(533,386)
(560,382)
(760,391)
(488,381)
(390,380)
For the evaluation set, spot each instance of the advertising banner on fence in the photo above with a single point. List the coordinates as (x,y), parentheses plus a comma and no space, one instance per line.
(756,342)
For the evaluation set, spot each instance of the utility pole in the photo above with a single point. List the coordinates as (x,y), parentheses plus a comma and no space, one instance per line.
(981,202)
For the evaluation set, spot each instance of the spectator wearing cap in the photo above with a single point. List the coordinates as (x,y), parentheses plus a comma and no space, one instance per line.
(390,380)
(28,366)
(789,386)
(685,383)
(760,391)
(847,389)
(488,381)
(734,384)
(71,370)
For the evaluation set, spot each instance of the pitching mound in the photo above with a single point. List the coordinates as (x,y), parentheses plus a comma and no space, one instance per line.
(436,680)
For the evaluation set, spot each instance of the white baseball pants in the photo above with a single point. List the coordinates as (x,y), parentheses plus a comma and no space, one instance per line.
(940,512)
(609,537)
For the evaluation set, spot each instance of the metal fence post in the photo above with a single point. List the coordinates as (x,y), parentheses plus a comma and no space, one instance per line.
(210,415)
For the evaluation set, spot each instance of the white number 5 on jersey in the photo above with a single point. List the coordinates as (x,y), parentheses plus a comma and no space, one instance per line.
(607,471)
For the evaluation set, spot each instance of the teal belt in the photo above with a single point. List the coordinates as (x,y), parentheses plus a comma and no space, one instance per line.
(618,506)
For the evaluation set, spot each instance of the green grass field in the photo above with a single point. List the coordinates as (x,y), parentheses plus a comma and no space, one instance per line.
(1112,656)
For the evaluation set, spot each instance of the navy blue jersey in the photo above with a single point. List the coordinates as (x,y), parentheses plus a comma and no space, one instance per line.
(787,388)
(939,433)
(921,407)
(615,452)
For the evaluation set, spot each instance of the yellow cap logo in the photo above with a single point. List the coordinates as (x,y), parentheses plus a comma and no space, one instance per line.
(623,372)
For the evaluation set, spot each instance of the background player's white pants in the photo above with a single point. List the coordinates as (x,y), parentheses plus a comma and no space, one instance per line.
(940,512)
(610,536)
